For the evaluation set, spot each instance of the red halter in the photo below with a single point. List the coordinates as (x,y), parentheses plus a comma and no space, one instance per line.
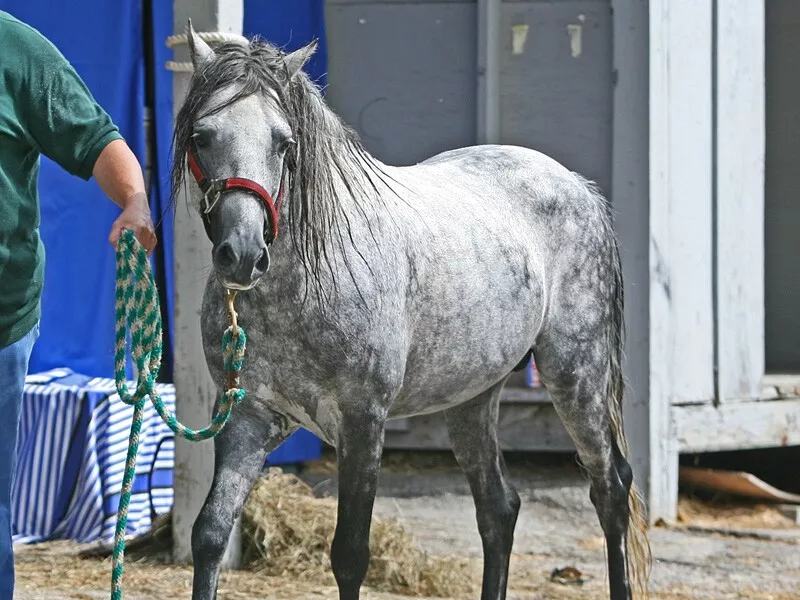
(217,187)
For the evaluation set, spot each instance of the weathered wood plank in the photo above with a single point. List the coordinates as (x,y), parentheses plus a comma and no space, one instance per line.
(195,391)
(738,426)
(681,298)
(661,490)
(740,197)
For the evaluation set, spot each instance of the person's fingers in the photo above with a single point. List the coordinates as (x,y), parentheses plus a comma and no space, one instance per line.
(147,238)
(116,231)
(144,233)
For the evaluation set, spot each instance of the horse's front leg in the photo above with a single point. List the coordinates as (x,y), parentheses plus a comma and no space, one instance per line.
(239,454)
(359,451)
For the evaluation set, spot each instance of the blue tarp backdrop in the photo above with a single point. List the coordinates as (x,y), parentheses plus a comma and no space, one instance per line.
(108,44)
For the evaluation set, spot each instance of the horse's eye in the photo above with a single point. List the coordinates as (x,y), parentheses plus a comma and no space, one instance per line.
(285,145)
(202,139)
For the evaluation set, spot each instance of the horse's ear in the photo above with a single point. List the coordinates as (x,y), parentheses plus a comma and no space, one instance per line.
(200,51)
(297,59)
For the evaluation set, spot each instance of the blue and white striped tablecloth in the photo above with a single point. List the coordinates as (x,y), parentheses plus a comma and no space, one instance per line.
(71,452)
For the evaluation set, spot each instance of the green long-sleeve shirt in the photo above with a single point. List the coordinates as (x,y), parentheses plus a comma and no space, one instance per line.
(45,108)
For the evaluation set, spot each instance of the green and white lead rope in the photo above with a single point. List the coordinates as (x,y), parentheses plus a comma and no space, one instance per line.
(138,312)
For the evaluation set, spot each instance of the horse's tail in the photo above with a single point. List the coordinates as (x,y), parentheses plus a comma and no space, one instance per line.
(638,547)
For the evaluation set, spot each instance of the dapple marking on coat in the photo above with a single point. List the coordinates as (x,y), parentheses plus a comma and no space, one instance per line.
(399,291)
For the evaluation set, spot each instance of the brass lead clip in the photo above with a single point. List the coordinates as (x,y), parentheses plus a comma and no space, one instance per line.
(232,316)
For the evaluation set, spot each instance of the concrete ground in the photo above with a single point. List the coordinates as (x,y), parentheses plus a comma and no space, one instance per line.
(557,528)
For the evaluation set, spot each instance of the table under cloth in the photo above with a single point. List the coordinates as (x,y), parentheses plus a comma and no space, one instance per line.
(71,451)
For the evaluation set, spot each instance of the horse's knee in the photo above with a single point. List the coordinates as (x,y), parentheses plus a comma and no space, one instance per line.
(210,533)
(508,509)
(497,517)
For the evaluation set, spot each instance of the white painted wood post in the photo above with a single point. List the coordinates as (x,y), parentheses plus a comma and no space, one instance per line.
(681,319)
(195,392)
(662,195)
(740,150)
(681,177)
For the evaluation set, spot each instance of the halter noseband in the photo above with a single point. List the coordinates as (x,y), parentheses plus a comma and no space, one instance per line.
(214,188)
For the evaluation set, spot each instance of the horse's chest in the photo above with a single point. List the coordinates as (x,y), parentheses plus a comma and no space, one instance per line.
(321,416)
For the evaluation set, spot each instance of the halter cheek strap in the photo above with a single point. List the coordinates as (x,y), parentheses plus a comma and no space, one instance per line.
(214,188)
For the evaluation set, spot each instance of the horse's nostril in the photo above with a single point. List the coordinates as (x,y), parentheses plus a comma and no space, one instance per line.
(226,256)
(262,264)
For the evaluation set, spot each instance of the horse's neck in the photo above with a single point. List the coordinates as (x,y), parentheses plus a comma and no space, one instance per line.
(359,229)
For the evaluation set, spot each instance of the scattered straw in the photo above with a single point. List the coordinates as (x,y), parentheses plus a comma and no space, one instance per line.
(289,533)
(730,514)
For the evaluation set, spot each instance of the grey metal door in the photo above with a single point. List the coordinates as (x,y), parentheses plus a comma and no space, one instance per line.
(403,74)
(556,82)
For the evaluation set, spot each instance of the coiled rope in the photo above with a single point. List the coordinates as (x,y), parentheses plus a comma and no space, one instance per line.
(138,313)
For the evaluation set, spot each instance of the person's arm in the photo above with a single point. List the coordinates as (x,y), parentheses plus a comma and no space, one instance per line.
(119,175)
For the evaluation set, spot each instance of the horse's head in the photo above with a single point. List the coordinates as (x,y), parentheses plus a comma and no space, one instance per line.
(236,130)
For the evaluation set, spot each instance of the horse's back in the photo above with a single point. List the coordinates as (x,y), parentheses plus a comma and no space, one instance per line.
(495,159)
(513,177)
(516,190)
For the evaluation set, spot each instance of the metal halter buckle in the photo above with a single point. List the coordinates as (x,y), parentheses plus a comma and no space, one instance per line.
(212,190)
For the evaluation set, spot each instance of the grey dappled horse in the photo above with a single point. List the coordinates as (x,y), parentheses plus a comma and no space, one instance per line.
(391,292)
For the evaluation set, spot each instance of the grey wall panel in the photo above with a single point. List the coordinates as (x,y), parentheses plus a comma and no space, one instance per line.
(403,74)
(556,83)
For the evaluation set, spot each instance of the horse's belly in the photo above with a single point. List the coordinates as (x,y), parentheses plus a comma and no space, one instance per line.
(455,362)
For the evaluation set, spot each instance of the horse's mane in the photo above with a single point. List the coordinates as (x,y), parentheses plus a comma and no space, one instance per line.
(327,158)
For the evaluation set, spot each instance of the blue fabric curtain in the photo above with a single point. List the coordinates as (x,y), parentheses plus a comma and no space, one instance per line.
(103,41)
(291,25)
(159,14)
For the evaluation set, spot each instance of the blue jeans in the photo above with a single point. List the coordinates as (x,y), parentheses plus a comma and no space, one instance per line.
(13,368)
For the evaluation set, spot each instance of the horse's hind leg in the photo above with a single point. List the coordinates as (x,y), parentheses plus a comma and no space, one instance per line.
(578,358)
(472,428)
(239,454)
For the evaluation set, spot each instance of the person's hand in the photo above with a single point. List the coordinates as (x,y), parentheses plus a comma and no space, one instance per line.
(136,217)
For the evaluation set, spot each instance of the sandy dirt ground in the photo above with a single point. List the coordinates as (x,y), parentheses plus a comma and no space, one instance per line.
(714,553)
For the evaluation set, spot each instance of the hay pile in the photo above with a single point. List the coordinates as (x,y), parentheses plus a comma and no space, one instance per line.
(289,533)
(731,513)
